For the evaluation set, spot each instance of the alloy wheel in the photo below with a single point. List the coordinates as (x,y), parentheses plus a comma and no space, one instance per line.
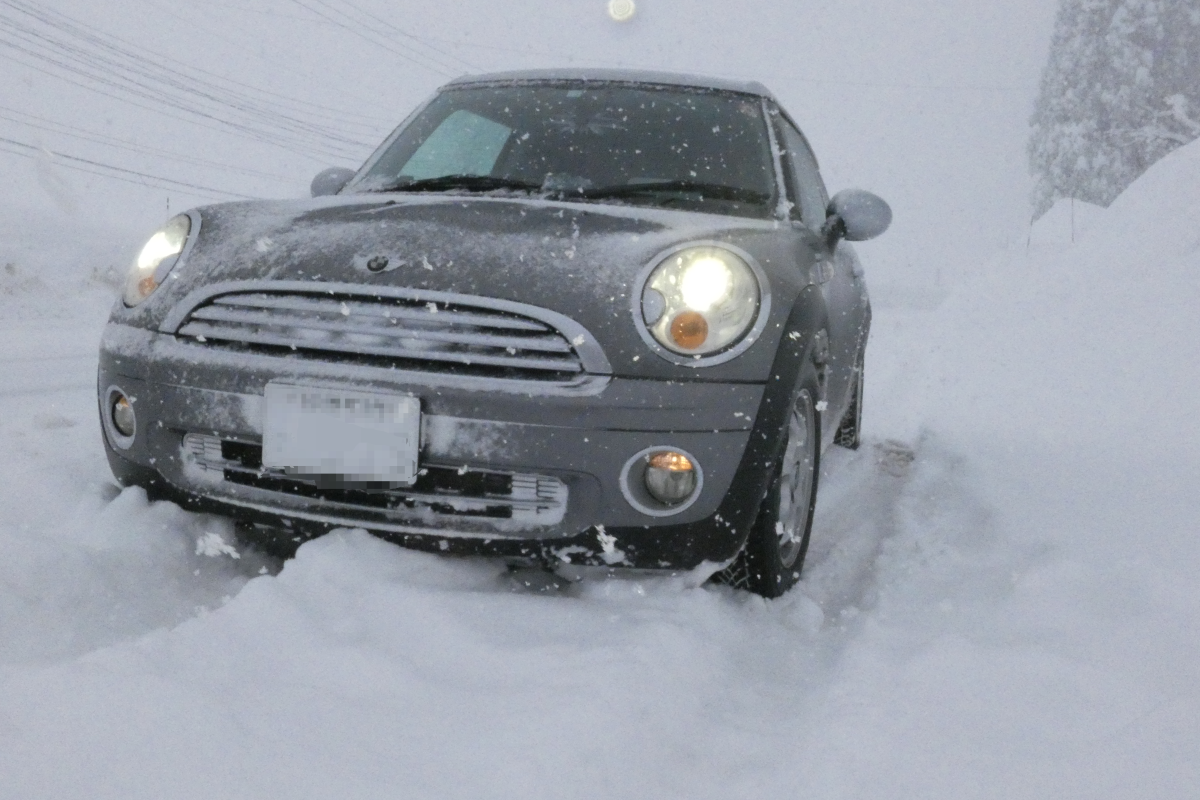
(796,479)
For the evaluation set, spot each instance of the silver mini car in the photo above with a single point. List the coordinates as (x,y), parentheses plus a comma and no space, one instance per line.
(564,318)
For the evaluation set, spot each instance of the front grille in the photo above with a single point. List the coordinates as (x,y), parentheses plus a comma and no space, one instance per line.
(444,492)
(394,332)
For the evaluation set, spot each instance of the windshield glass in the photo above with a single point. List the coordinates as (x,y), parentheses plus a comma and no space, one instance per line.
(677,148)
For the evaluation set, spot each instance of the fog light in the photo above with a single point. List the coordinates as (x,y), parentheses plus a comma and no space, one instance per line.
(670,477)
(123,418)
(662,481)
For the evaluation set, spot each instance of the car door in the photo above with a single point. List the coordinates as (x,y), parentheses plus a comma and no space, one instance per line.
(839,272)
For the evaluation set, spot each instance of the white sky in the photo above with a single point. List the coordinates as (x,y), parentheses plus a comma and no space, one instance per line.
(924,102)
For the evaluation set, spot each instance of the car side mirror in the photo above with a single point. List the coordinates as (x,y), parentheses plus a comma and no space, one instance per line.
(856,216)
(330,181)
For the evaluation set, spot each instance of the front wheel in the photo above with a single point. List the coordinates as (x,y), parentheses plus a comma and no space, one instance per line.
(770,562)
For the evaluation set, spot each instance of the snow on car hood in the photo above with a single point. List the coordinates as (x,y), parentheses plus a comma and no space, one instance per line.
(580,260)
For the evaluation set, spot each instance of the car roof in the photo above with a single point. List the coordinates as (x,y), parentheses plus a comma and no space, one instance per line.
(614,76)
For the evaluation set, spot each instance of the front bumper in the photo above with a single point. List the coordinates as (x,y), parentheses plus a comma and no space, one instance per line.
(578,437)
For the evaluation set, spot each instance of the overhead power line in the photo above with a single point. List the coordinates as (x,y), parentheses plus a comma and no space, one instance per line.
(205,121)
(248,43)
(158,104)
(136,54)
(366,34)
(81,164)
(62,44)
(161,100)
(50,126)
(444,56)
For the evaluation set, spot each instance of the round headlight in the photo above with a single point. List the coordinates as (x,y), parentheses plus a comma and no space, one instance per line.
(700,300)
(156,259)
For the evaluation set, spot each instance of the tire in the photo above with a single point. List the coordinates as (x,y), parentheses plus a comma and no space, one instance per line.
(849,432)
(770,563)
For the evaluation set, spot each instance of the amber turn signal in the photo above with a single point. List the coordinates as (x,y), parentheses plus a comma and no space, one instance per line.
(689,330)
(671,461)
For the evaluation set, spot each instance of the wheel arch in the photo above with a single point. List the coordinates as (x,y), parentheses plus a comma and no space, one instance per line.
(804,335)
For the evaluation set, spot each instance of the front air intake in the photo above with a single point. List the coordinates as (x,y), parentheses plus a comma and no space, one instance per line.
(453,335)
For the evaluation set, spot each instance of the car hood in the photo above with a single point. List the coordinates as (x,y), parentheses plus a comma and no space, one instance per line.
(578,259)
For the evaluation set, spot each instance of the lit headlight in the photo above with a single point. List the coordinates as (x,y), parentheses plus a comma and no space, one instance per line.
(157,258)
(700,300)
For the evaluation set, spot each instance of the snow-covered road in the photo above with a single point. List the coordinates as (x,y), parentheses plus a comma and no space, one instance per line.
(1001,599)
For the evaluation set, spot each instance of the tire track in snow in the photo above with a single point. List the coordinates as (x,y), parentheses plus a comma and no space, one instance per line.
(856,513)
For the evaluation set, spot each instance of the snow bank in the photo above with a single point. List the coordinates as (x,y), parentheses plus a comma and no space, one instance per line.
(366,671)
(1067,223)
(46,252)
(1062,380)
(107,570)
(80,567)
(1001,600)
(1096,343)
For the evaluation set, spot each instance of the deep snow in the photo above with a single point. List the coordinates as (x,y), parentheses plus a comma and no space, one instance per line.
(1001,600)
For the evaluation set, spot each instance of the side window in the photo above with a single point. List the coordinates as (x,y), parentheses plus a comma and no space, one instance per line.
(464,144)
(808,190)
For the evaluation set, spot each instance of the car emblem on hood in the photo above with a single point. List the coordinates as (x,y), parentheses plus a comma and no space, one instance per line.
(376,264)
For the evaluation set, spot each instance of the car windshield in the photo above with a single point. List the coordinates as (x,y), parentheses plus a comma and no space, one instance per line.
(678,148)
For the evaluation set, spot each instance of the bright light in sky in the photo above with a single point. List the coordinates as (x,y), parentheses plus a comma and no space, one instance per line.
(621,10)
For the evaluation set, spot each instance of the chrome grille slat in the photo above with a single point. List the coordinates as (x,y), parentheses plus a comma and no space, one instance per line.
(434,498)
(551,343)
(209,331)
(330,305)
(531,499)
(453,334)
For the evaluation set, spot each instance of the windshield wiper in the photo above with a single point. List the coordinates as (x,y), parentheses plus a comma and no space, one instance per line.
(470,183)
(717,191)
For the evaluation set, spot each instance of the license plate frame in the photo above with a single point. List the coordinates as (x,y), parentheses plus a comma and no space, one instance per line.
(346,435)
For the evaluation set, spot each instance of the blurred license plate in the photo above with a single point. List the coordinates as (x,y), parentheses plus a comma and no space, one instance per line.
(357,436)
